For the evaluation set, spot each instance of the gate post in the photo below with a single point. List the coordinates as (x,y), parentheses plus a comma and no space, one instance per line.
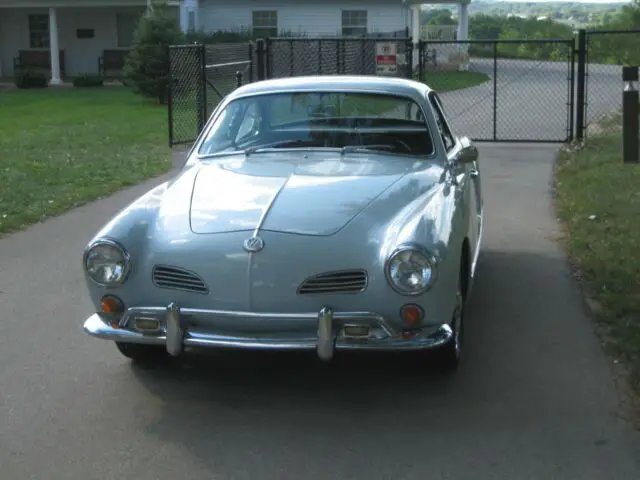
(630,150)
(421,48)
(409,57)
(581,84)
(169,94)
(201,97)
(260,54)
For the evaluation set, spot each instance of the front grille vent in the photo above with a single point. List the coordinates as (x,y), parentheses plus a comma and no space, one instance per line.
(346,281)
(178,279)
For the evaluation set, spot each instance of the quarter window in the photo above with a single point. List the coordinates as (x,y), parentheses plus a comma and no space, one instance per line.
(443,126)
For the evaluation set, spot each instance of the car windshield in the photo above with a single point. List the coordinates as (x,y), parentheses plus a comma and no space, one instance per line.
(344,120)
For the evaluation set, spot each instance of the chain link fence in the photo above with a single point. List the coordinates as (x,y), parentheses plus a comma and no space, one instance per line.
(607,51)
(503,90)
(288,57)
(200,76)
(187,89)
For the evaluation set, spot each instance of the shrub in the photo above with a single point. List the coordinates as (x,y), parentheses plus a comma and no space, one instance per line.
(88,80)
(31,79)
(146,68)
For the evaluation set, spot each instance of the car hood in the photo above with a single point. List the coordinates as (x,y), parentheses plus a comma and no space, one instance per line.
(307,193)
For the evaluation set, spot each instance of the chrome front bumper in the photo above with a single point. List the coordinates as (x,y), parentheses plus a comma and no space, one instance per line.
(175,331)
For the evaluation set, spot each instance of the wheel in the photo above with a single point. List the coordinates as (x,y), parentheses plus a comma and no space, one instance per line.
(451,353)
(141,353)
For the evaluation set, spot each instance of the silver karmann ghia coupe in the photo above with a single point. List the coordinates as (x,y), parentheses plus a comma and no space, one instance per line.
(322,213)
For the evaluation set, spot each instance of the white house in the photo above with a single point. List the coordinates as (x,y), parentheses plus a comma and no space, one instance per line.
(83,30)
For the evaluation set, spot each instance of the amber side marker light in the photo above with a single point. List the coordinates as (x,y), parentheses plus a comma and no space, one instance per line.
(110,304)
(411,313)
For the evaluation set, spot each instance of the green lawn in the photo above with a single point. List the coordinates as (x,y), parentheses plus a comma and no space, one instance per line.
(598,198)
(63,147)
(444,81)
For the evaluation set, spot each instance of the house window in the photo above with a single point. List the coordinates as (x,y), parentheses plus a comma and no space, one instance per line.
(126,24)
(354,22)
(265,23)
(39,31)
(191,20)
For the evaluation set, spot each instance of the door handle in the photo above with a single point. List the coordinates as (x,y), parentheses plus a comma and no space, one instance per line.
(473,173)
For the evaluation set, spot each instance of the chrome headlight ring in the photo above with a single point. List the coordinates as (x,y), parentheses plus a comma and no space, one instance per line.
(416,264)
(106,263)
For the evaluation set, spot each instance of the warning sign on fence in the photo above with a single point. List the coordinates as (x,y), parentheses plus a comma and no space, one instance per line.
(386,58)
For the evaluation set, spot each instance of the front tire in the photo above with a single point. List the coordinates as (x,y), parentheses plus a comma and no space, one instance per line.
(451,353)
(141,353)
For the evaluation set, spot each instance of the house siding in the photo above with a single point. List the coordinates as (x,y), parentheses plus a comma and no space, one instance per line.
(81,55)
(314,19)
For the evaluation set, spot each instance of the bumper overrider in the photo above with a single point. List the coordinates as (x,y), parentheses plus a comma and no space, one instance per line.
(177,328)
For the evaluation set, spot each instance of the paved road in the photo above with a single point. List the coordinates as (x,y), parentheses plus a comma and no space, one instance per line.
(533,400)
(531,101)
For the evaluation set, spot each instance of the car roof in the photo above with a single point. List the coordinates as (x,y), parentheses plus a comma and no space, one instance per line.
(390,85)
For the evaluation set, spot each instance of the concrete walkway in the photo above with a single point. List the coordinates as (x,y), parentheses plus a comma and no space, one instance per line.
(533,400)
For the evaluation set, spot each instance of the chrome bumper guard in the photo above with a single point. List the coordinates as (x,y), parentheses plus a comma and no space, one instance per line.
(335,331)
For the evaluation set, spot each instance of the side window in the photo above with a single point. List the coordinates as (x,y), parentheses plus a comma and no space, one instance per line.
(250,125)
(443,127)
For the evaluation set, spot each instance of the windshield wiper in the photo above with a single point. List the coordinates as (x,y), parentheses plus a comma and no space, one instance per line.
(365,149)
(274,146)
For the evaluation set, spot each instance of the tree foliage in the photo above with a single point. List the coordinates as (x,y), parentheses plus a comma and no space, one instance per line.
(611,48)
(146,68)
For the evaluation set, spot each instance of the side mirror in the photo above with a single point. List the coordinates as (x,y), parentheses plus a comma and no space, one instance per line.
(468,152)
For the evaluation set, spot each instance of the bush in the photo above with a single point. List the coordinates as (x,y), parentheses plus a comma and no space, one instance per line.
(146,68)
(88,80)
(31,79)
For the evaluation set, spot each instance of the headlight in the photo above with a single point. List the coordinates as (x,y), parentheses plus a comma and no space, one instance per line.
(410,270)
(106,263)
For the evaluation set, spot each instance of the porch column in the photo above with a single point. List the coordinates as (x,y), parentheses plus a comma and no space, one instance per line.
(463,32)
(189,15)
(463,21)
(415,33)
(54,48)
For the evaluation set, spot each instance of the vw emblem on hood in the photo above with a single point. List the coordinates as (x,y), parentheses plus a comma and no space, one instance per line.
(253,244)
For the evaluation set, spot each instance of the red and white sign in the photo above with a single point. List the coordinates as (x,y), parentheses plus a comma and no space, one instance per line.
(386,58)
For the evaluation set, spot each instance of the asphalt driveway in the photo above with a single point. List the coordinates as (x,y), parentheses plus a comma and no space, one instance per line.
(534,398)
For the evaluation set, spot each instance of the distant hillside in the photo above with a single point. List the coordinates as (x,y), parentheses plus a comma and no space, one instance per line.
(571,13)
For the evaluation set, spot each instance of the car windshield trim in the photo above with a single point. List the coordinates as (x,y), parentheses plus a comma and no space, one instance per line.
(320,120)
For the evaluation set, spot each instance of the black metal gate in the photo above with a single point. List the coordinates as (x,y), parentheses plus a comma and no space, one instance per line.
(493,90)
(503,90)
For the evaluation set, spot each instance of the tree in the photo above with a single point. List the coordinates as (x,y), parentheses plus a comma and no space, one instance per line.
(146,68)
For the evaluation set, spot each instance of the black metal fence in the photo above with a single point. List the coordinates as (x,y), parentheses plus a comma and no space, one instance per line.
(288,57)
(200,76)
(543,90)
(523,88)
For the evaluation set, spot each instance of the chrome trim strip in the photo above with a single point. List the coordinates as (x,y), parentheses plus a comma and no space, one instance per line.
(267,209)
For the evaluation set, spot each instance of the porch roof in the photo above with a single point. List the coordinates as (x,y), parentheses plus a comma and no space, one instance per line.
(70,3)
